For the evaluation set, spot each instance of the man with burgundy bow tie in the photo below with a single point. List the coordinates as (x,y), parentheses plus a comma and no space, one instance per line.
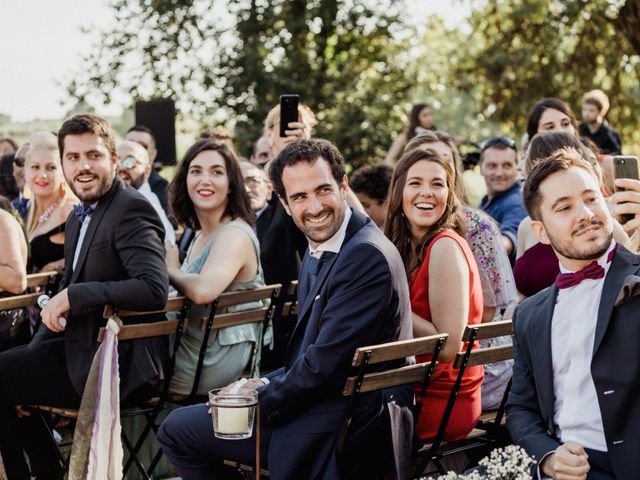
(114,255)
(574,403)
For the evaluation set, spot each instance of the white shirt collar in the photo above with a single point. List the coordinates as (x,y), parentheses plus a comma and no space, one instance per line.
(145,188)
(334,244)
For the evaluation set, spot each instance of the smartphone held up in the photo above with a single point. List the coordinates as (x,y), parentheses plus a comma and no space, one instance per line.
(288,111)
(625,166)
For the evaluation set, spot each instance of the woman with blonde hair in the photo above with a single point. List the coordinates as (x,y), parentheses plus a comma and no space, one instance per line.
(51,203)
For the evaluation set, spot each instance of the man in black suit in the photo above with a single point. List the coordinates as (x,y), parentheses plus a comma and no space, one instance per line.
(574,404)
(352,292)
(114,255)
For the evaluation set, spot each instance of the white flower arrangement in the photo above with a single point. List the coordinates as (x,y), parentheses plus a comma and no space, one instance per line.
(508,463)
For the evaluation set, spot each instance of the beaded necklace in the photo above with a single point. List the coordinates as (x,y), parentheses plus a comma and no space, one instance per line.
(47,213)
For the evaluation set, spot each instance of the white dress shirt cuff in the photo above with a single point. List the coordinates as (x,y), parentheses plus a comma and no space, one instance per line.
(541,475)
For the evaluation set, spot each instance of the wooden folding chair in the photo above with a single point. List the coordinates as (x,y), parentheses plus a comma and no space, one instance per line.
(46,280)
(215,319)
(152,408)
(488,423)
(43,282)
(383,376)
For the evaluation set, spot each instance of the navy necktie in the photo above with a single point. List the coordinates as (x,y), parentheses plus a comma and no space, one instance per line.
(315,264)
(82,211)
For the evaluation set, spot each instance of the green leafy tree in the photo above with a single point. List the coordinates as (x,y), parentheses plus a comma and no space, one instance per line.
(230,61)
(523,50)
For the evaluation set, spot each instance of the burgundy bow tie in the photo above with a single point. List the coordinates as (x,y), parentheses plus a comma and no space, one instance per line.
(593,271)
(568,280)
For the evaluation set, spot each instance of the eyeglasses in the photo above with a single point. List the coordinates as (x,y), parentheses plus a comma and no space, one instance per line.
(129,162)
(501,140)
(19,161)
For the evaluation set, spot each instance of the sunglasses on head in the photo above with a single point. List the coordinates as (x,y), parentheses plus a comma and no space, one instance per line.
(129,162)
(500,140)
(19,161)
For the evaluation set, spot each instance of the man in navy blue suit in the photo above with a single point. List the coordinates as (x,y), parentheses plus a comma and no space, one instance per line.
(352,292)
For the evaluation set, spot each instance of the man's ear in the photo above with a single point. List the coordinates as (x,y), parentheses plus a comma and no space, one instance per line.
(540,232)
(153,153)
(344,184)
(285,205)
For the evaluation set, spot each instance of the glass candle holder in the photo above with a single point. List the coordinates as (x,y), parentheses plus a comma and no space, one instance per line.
(233,414)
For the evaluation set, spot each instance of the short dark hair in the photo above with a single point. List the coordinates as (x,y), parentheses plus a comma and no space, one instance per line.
(305,150)
(372,180)
(87,123)
(538,109)
(144,129)
(561,161)
(595,102)
(238,203)
(545,144)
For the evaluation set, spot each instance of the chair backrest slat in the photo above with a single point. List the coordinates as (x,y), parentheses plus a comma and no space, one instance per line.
(396,350)
(41,279)
(173,305)
(19,301)
(246,296)
(488,330)
(223,320)
(145,330)
(293,288)
(482,356)
(386,379)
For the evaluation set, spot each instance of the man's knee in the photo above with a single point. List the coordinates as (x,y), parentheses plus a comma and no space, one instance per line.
(164,434)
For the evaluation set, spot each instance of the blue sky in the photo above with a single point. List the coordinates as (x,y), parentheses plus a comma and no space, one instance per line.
(42,44)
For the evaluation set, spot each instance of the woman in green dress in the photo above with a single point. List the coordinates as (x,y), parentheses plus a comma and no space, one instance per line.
(208,195)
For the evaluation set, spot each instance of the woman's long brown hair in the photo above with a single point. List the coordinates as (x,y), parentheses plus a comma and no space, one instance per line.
(397,227)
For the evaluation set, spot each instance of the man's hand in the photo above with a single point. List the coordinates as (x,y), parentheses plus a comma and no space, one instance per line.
(294,132)
(57,308)
(568,462)
(627,202)
(244,386)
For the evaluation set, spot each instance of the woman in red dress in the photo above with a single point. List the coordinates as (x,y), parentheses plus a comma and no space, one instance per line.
(425,224)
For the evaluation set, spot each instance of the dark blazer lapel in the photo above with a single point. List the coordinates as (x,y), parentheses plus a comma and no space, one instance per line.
(540,334)
(624,264)
(72,231)
(356,222)
(96,217)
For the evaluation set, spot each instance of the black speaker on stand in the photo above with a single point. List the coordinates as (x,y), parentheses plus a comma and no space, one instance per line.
(160,117)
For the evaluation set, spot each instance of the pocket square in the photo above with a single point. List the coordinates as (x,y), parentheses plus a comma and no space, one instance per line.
(317,297)
(630,289)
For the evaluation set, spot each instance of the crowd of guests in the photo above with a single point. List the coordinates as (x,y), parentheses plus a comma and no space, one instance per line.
(427,260)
